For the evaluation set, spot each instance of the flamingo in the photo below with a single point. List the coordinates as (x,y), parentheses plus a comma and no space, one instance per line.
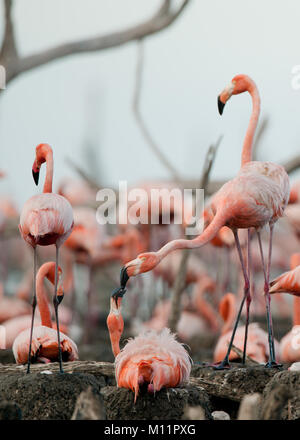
(153,359)
(190,323)
(43,341)
(256,197)
(289,282)
(295,193)
(12,307)
(46,219)
(257,337)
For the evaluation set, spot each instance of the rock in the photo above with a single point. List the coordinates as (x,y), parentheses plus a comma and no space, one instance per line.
(295,366)
(166,404)
(220,415)
(193,413)
(10,411)
(46,397)
(249,407)
(89,406)
(281,397)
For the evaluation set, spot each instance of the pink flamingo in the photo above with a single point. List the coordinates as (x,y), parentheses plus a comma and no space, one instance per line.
(12,307)
(152,359)
(190,323)
(257,196)
(257,338)
(289,282)
(43,341)
(46,219)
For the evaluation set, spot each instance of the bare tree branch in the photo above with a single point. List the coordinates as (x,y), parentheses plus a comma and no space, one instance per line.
(8,54)
(290,166)
(163,18)
(139,119)
(180,280)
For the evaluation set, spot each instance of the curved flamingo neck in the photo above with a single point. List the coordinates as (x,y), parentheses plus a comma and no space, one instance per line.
(295,261)
(49,173)
(203,307)
(42,299)
(208,234)
(227,311)
(115,325)
(248,141)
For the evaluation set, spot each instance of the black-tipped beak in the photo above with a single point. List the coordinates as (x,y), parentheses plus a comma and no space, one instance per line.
(118,293)
(123,277)
(221,105)
(36,175)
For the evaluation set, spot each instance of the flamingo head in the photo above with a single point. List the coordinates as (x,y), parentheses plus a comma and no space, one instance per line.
(41,153)
(238,84)
(143,263)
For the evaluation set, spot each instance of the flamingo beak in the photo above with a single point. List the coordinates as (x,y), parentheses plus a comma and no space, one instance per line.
(35,173)
(221,105)
(124,277)
(224,96)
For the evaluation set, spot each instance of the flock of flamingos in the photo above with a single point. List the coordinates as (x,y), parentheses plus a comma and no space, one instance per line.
(258,196)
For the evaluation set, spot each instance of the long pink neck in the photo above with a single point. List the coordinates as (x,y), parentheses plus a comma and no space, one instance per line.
(49,173)
(203,307)
(248,141)
(208,234)
(42,299)
(228,312)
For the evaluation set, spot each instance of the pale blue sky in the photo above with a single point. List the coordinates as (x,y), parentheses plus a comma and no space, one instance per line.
(89,96)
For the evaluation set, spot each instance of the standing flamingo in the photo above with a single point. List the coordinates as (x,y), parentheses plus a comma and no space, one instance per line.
(43,341)
(257,196)
(46,219)
(153,359)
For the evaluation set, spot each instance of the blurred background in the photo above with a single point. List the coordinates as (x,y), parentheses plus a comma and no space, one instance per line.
(82,104)
(127,90)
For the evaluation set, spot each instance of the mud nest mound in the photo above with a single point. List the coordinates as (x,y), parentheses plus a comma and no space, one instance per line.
(281,397)
(46,396)
(234,383)
(167,404)
(6,357)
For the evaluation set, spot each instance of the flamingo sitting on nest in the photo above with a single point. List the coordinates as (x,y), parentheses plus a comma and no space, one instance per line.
(152,359)
(258,348)
(44,344)
(289,282)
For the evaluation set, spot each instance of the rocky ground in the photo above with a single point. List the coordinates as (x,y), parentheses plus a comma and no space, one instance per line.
(88,390)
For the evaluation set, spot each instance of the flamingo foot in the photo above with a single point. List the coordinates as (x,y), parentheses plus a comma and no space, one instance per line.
(224,365)
(150,388)
(272,364)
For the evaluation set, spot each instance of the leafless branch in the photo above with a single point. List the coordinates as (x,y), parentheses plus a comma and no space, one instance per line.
(180,280)
(290,166)
(89,180)
(139,119)
(163,18)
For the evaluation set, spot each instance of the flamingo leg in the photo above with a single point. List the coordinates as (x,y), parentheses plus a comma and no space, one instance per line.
(248,299)
(33,307)
(225,362)
(272,361)
(56,302)
(89,319)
